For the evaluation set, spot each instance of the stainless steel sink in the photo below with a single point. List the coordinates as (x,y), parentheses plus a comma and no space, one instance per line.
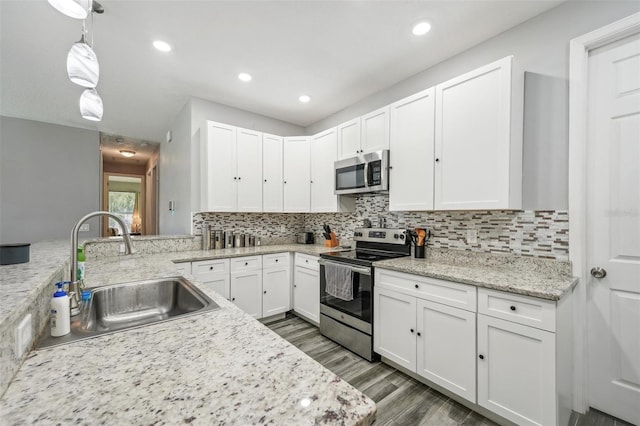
(123,306)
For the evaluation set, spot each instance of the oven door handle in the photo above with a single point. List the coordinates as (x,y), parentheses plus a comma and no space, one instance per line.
(357,269)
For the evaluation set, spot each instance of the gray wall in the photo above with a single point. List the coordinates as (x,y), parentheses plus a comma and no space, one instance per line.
(49,178)
(539,46)
(202,110)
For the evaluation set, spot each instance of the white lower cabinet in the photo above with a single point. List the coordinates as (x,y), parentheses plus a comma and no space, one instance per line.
(246,284)
(214,274)
(306,287)
(276,284)
(446,347)
(429,338)
(516,371)
(524,371)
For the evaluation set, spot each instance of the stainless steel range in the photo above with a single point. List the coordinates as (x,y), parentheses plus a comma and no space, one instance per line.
(346,287)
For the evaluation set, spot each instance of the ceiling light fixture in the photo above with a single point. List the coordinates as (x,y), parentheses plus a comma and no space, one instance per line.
(77,9)
(421,28)
(304,99)
(127,153)
(82,64)
(91,105)
(243,76)
(162,46)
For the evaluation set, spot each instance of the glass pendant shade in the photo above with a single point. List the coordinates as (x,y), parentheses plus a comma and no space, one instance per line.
(91,105)
(82,65)
(77,9)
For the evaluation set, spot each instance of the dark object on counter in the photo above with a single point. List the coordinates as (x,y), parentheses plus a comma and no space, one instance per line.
(367,223)
(327,231)
(305,238)
(418,252)
(10,254)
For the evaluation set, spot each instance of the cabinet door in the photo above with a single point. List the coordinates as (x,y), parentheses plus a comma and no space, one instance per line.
(473,141)
(246,292)
(349,138)
(394,327)
(411,158)
(275,291)
(306,293)
(447,347)
(218,168)
(516,371)
(297,175)
(249,160)
(218,283)
(272,173)
(324,148)
(374,134)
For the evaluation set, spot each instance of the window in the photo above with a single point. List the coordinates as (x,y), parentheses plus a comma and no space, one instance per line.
(122,204)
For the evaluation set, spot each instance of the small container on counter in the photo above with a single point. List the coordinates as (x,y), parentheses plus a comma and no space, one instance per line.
(238,240)
(228,239)
(60,312)
(206,236)
(218,239)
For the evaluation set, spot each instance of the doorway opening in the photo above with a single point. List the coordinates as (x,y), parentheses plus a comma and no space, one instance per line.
(129,184)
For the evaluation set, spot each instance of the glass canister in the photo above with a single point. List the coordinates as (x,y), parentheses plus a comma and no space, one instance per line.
(238,240)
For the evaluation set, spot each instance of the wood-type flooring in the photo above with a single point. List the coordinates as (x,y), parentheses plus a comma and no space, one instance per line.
(401,400)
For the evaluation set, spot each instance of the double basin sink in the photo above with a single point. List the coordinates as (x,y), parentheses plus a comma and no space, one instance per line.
(120,307)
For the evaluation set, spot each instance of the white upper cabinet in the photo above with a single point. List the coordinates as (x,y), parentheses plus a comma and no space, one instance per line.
(364,134)
(411,156)
(272,185)
(477,165)
(230,169)
(374,133)
(349,138)
(218,168)
(297,175)
(249,170)
(324,148)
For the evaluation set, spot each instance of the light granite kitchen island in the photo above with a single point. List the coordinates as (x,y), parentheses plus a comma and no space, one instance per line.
(220,367)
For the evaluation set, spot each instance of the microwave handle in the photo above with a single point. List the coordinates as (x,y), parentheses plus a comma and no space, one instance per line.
(367,181)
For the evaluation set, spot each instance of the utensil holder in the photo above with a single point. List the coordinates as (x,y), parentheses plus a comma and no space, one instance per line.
(333,242)
(418,252)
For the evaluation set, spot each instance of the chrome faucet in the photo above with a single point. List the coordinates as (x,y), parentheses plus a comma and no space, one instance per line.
(73,286)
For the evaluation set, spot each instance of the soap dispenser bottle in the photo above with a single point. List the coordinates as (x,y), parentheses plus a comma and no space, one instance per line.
(60,312)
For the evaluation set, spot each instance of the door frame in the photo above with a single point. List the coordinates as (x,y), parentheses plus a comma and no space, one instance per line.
(579,49)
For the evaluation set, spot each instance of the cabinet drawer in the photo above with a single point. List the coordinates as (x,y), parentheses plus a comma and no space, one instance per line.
(524,310)
(458,295)
(306,261)
(205,267)
(273,260)
(247,263)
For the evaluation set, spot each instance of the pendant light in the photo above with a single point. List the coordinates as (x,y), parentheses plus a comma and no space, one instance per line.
(78,9)
(82,63)
(91,105)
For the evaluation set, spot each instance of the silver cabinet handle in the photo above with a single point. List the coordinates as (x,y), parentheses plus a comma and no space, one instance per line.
(598,272)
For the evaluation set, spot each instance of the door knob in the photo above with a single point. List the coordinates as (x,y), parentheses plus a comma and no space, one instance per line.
(598,272)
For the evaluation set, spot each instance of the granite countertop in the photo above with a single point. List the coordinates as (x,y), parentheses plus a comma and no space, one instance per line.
(218,367)
(542,278)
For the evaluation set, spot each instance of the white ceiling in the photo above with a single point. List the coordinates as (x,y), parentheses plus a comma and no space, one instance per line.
(338,52)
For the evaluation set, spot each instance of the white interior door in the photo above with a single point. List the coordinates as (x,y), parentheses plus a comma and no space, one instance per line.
(613,228)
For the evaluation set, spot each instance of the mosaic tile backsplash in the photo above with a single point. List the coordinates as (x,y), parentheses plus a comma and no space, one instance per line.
(543,234)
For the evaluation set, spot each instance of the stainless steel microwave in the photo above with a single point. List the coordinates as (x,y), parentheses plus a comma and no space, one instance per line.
(363,173)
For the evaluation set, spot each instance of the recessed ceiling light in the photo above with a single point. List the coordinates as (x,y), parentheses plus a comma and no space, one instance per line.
(127,153)
(421,28)
(244,76)
(304,98)
(162,46)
